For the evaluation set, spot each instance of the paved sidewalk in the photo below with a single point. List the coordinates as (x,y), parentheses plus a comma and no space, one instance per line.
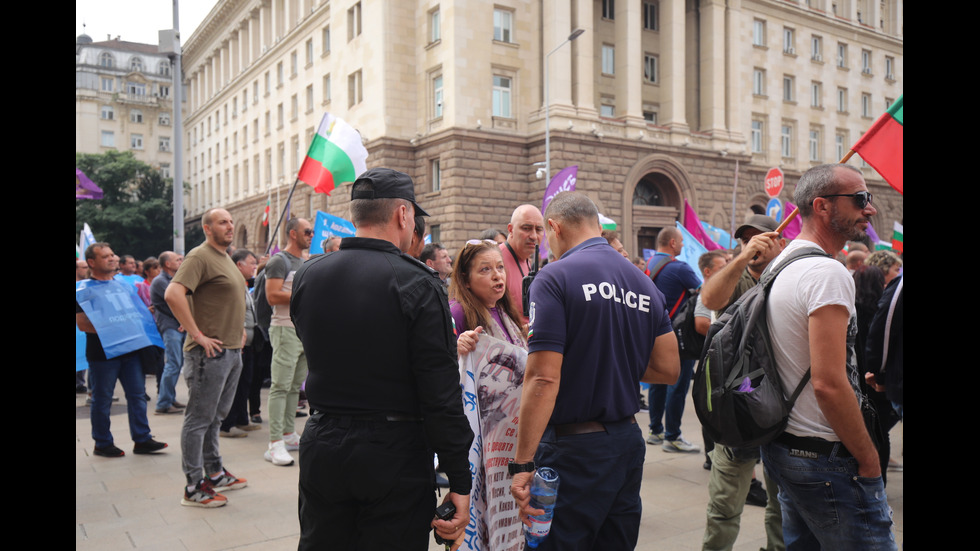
(133,502)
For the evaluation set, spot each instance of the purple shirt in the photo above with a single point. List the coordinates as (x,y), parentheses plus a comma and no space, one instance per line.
(594,307)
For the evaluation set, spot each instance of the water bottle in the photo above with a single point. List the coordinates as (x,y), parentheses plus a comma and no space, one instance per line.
(544,493)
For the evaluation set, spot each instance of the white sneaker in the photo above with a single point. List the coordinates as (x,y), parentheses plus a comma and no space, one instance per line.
(292,441)
(278,455)
(680,446)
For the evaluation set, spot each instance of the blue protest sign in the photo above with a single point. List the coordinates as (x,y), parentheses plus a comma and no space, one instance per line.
(120,318)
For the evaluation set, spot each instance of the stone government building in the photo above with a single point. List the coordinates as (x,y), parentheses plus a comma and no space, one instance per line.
(658,101)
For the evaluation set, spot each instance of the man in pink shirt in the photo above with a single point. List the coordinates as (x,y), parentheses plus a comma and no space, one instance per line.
(524,232)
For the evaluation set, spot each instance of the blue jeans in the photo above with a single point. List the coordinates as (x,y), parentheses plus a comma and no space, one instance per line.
(670,399)
(103,375)
(174,345)
(825,504)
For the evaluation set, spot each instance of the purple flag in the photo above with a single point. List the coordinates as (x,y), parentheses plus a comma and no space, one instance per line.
(85,188)
(563,181)
(693,225)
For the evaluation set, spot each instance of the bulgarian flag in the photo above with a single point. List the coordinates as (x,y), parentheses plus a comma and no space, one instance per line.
(265,213)
(335,156)
(898,238)
(882,145)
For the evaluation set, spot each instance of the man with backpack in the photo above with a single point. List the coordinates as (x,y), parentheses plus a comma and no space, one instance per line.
(812,325)
(733,469)
(676,280)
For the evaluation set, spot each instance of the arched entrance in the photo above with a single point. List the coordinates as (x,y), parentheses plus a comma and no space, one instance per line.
(653,198)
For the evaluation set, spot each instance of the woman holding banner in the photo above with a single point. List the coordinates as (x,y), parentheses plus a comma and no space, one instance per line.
(492,346)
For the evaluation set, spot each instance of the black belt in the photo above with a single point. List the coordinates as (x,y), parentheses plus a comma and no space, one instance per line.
(585,427)
(346,420)
(812,444)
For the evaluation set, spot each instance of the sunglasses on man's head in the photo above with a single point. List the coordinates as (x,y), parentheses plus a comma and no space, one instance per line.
(861,199)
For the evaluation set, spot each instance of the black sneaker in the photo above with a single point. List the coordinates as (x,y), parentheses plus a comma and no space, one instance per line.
(150,446)
(109,451)
(757,495)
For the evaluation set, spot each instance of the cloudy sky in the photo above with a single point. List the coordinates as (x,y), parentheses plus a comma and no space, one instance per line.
(137,20)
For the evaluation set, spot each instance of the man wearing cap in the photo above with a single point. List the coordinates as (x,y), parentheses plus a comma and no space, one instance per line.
(733,469)
(384,382)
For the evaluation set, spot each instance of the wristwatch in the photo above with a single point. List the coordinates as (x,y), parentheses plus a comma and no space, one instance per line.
(514,468)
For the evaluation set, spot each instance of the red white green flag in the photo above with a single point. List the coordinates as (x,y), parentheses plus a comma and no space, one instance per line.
(335,156)
(898,238)
(265,213)
(882,145)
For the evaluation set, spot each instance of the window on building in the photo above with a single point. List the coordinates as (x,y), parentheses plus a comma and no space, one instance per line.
(842,100)
(280,74)
(503,25)
(756,137)
(842,55)
(889,67)
(866,62)
(651,17)
(435,173)
(164,68)
(815,145)
(255,129)
(355,89)
(608,9)
(786,140)
(165,170)
(326,88)
(108,138)
(501,96)
(866,110)
(163,91)
(789,86)
(816,93)
(606,108)
(135,89)
(437,96)
(789,41)
(759,82)
(108,84)
(106,60)
(280,116)
(354,22)
(164,143)
(255,91)
(309,98)
(325,36)
(650,116)
(136,65)
(650,68)
(108,113)
(435,26)
(268,123)
(608,59)
(293,107)
(136,141)
(293,63)
(758,32)
(234,107)
(840,139)
(135,115)
(816,48)
(309,52)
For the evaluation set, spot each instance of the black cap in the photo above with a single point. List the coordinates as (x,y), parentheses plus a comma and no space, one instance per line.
(387,184)
(760,222)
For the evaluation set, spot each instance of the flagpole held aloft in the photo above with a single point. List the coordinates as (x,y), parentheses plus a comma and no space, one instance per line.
(796,211)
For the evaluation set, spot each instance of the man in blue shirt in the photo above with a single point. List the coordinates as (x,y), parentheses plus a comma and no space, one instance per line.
(597,326)
(675,280)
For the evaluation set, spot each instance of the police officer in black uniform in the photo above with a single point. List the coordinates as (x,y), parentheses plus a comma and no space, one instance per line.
(384,382)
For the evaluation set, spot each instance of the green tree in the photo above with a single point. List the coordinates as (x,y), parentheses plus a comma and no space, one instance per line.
(135,215)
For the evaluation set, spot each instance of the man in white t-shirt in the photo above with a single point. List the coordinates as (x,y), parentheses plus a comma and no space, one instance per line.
(825,464)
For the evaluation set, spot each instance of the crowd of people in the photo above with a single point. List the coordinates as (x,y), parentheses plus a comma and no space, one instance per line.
(376,330)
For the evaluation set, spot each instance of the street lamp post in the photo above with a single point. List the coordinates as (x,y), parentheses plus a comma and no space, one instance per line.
(547,103)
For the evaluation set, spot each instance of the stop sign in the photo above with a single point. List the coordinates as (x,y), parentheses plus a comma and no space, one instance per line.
(774,182)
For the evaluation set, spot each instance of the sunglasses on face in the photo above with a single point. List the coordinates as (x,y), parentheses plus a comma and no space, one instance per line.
(861,199)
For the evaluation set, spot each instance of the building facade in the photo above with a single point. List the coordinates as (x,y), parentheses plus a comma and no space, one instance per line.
(657,102)
(122,100)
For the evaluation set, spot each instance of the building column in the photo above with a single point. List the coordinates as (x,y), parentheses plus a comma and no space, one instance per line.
(583,89)
(629,61)
(712,66)
(556,28)
(673,97)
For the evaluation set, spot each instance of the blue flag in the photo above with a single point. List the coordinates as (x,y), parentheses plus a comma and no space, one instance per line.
(120,318)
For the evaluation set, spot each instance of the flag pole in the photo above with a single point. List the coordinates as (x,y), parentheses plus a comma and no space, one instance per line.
(796,211)
(281,215)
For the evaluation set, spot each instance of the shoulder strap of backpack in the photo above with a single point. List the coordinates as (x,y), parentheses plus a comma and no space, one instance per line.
(656,268)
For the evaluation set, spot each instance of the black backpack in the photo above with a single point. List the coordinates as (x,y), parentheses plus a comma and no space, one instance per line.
(738,394)
(689,341)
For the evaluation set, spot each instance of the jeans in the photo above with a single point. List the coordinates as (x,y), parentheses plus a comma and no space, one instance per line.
(826,504)
(211,384)
(174,344)
(102,377)
(670,399)
(288,373)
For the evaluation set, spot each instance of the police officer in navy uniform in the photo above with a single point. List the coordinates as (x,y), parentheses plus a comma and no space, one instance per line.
(597,327)
(384,382)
